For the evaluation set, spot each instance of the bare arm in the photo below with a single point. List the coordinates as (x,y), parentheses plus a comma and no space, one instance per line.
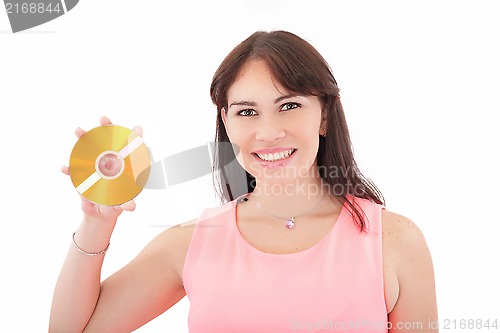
(137,293)
(144,288)
(416,307)
(78,286)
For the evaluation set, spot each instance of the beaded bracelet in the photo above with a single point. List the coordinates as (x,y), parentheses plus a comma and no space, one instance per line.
(85,252)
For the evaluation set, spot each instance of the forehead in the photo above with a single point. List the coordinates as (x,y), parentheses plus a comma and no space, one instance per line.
(255,80)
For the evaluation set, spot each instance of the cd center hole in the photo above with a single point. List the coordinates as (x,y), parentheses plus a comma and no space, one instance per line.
(110,165)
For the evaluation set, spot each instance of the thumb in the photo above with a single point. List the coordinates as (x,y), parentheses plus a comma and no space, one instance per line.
(129,206)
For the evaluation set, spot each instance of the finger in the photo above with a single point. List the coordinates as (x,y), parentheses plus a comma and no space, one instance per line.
(79,132)
(87,205)
(138,130)
(117,209)
(130,206)
(65,170)
(105,121)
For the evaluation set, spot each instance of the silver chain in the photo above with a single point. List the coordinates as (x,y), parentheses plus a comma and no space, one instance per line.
(289,217)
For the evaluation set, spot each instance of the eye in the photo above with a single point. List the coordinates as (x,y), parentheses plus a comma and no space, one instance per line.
(290,106)
(246,113)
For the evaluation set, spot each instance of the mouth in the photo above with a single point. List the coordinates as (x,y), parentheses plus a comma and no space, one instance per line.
(277,156)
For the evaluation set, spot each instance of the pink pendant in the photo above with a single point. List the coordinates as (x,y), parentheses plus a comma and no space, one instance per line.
(290,223)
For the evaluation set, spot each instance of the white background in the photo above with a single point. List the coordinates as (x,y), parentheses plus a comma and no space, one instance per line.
(419,84)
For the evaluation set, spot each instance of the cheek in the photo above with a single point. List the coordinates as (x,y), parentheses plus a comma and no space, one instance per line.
(239,140)
(308,129)
(235,136)
(309,138)
(237,131)
(245,160)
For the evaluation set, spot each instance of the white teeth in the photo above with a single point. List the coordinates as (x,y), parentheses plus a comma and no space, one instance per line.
(276,156)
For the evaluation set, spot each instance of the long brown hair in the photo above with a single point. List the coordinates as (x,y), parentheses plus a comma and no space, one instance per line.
(298,67)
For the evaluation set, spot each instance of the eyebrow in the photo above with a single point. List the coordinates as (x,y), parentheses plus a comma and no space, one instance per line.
(277,100)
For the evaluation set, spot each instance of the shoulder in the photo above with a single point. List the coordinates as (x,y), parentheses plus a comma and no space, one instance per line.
(404,243)
(173,243)
(408,260)
(179,236)
(402,234)
(170,246)
(408,268)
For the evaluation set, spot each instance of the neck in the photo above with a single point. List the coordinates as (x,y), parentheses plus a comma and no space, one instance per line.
(291,198)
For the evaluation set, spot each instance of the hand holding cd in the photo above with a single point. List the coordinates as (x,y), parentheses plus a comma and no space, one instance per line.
(107,167)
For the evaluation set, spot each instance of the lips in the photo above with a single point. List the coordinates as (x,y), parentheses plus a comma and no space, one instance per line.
(273,157)
(276,156)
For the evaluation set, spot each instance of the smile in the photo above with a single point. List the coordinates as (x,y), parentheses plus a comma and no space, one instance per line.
(277,156)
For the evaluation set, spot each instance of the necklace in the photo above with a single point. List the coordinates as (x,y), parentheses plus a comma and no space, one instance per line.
(289,221)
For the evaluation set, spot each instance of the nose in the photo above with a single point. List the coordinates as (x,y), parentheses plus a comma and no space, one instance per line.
(270,129)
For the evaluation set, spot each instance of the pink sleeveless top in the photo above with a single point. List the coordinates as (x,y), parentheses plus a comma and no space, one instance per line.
(335,285)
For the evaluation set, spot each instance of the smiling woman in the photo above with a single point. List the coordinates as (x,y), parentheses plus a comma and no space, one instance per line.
(305,241)
(283,69)
(285,119)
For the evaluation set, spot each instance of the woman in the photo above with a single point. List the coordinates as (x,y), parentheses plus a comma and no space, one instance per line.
(306,245)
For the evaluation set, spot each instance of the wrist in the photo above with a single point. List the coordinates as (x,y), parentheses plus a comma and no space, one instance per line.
(99,222)
(94,234)
(102,252)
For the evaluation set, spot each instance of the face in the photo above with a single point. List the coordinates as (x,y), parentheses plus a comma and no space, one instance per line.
(277,131)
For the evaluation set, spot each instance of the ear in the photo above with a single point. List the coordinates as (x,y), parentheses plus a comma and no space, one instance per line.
(323,125)
(223,114)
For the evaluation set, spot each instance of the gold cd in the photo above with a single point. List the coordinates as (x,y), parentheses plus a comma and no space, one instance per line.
(109,165)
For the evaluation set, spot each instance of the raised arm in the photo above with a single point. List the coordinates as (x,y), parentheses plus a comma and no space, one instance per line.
(78,286)
(140,291)
(147,286)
